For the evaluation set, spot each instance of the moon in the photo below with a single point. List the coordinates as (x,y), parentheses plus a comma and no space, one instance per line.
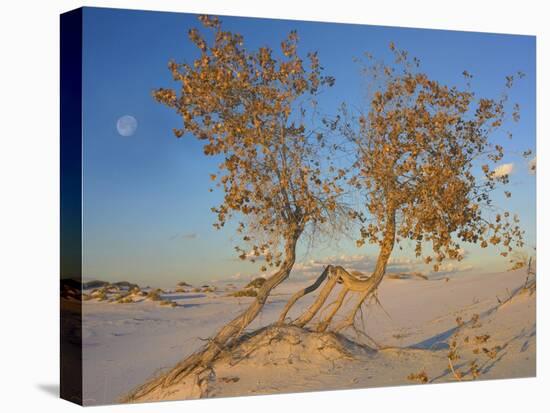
(126,125)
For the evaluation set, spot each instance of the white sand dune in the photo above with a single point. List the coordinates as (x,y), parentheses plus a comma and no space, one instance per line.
(126,344)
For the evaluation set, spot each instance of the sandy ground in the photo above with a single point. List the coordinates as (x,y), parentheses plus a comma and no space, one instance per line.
(415,328)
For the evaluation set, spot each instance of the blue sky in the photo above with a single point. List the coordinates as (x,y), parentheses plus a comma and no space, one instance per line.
(146,213)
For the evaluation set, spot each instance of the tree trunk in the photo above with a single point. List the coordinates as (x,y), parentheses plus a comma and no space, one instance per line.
(202,359)
(303,292)
(234,328)
(336,306)
(374,280)
(317,304)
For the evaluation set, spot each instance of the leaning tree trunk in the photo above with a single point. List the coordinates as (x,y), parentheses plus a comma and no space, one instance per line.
(322,326)
(372,283)
(317,304)
(203,358)
(361,288)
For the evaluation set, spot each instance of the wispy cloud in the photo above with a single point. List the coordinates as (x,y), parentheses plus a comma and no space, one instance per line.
(362,263)
(312,268)
(237,276)
(250,255)
(504,169)
(187,236)
(452,268)
(365,264)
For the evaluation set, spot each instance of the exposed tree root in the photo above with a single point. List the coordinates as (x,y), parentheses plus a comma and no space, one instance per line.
(322,326)
(273,344)
(351,284)
(314,308)
(200,363)
(303,292)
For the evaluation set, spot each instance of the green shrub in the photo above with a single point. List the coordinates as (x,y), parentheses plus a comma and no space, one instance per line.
(154,295)
(244,293)
(256,283)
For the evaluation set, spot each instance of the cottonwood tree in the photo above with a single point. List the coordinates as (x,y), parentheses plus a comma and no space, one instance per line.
(250,108)
(425,165)
(426,157)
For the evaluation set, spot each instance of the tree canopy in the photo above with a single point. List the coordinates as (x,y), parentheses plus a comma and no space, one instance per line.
(425,155)
(250,109)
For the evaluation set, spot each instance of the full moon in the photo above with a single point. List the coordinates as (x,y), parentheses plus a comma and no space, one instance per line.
(126,125)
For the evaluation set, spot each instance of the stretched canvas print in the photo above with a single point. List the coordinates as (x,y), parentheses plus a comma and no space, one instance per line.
(256,206)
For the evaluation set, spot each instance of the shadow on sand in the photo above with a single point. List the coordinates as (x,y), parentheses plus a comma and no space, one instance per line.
(51,389)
